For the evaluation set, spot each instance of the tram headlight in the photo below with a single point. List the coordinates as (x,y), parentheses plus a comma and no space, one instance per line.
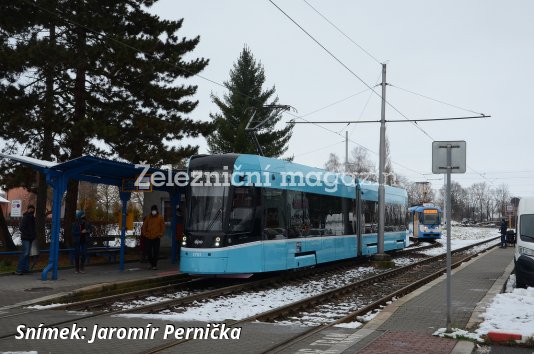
(217,241)
(184,240)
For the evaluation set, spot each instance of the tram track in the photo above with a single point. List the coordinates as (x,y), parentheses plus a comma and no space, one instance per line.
(379,299)
(95,304)
(283,279)
(196,285)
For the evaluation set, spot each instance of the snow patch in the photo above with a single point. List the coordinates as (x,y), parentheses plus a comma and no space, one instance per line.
(510,312)
(457,333)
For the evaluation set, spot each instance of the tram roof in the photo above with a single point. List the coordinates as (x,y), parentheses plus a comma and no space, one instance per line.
(419,208)
(246,162)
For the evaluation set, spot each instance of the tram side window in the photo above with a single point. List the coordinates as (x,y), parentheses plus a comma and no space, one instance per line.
(242,212)
(274,214)
(317,215)
(370,216)
(402,218)
(333,207)
(395,217)
(299,219)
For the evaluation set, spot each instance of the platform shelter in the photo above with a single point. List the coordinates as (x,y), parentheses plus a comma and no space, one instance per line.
(102,171)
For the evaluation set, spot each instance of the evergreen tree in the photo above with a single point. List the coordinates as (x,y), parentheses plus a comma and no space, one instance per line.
(244,99)
(99,77)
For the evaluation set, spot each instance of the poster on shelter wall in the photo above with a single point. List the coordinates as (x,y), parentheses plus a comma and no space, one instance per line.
(16,208)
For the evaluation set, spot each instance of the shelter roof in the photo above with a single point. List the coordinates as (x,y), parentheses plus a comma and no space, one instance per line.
(91,169)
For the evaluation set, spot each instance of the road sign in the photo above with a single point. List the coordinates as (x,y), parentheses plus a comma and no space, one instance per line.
(16,208)
(439,156)
(448,157)
(509,208)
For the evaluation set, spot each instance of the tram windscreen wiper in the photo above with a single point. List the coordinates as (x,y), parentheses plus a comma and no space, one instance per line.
(212,222)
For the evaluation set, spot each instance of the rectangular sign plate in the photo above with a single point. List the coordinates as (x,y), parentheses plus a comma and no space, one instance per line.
(439,156)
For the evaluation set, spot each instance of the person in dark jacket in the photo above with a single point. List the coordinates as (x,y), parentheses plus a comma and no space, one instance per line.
(27,235)
(503,229)
(81,232)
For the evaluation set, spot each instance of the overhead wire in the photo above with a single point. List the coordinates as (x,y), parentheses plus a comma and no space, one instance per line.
(343,33)
(435,100)
(319,149)
(347,68)
(334,103)
(378,61)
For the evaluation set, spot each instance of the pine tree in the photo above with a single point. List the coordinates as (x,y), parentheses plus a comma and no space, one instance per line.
(100,77)
(245,98)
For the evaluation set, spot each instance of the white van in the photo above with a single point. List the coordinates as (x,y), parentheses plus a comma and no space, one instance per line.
(524,249)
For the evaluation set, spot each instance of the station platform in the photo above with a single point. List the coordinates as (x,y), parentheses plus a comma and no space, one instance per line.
(405,326)
(27,289)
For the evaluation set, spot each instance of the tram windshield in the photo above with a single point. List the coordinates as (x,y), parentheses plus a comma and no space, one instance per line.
(430,217)
(207,208)
(527,227)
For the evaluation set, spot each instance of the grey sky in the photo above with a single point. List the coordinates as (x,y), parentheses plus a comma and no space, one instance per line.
(473,54)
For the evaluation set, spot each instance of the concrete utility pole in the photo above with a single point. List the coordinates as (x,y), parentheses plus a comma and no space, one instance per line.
(381,164)
(449,257)
(346,152)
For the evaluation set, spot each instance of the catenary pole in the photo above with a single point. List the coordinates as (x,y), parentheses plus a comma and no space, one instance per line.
(449,213)
(346,151)
(381,164)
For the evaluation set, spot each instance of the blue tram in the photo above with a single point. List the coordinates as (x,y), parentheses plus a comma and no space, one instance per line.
(250,214)
(425,222)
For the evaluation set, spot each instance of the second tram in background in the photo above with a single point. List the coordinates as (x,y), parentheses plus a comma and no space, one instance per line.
(425,222)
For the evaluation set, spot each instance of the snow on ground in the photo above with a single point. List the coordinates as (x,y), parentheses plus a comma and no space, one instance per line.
(510,284)
(44,307)
(462,237)
(404,261)
(150,300)
(252,303)
(457,333)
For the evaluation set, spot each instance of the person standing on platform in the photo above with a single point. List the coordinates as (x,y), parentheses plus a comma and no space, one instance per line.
(81,231)
(503,229)
(27,235)
(153,229)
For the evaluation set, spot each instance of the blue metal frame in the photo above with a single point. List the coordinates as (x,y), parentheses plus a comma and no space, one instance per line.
(95,170)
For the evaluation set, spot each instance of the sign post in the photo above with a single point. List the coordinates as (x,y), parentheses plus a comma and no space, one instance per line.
(16,208)
(448,157)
